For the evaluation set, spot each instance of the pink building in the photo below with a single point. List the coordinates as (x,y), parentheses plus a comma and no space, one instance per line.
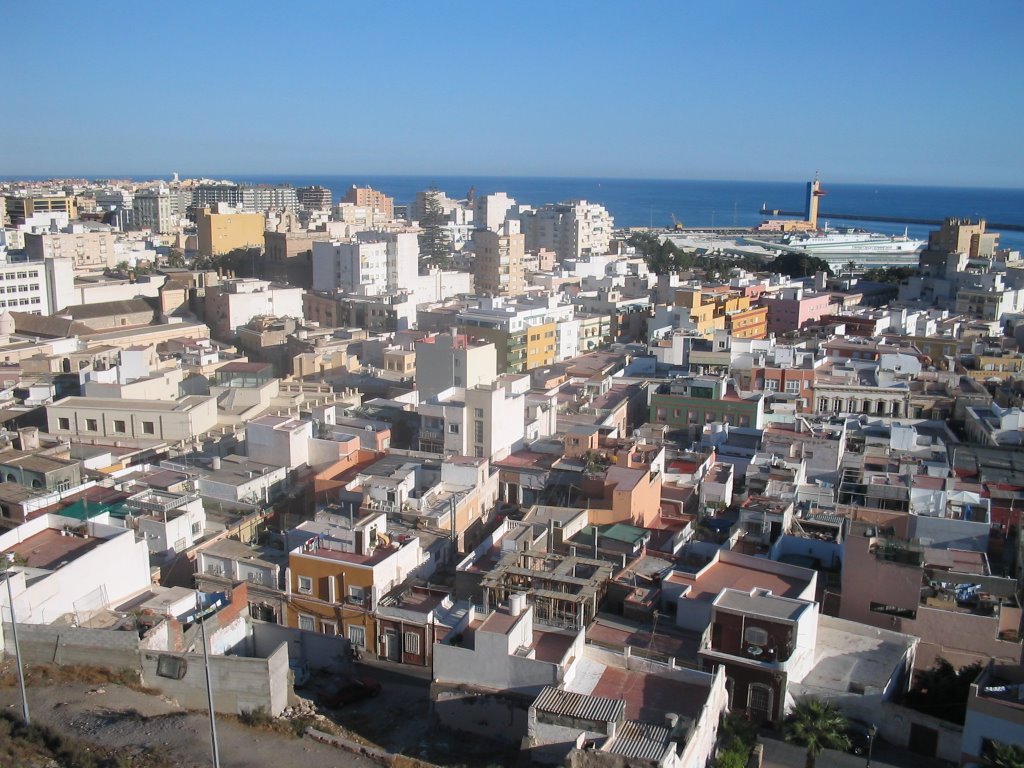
(946,597)
(792,309)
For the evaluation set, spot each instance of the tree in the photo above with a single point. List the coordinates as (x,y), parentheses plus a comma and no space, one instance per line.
(435,243)
(175,258)
(1003,755)
(736,737)
(798,265)
(817,725)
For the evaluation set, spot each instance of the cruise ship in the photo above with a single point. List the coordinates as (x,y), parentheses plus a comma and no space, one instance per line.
(840,246)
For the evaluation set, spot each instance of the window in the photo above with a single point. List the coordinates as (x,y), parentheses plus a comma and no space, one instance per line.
(478,432)
(305,585)
(478,412)
(307,622)
(63,423)
(357,635)
(91,425)
(356,595)
(412,642)
(148,428)
(329,628)
(755,636)
(119,425)
(172,667)
(793,387)
(453,428)
(771,385)
(759,702)
(894,610)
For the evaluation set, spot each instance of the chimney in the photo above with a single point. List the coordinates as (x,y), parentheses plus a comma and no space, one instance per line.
(215,462)
(29,438)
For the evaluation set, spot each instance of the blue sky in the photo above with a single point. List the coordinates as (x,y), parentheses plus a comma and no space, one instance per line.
(872,91)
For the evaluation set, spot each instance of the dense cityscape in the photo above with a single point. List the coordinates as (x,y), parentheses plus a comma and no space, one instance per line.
(466,480)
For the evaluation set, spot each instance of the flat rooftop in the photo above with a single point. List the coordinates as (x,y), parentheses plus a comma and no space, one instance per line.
(849,656)
(769,606)
(48,550)
(707,584)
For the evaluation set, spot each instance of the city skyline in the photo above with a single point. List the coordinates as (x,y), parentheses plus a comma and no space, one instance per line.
(876,94)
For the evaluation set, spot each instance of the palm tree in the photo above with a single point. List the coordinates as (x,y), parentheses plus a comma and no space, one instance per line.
(1004,755)
(817,725)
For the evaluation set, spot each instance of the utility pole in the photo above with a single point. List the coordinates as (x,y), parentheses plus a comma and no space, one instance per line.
(209,688)
(17,648)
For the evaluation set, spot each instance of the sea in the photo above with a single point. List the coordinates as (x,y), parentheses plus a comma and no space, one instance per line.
(653,202)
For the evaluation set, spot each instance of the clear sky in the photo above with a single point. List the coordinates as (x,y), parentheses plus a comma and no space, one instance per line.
(873,91)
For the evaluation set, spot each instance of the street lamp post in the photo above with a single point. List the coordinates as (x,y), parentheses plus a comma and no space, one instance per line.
(872,732)
(209,686)
(17,647)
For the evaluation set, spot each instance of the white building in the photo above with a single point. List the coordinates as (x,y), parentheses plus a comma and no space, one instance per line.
(444,361)
(72,568)
(490,211)
(571,229)
(375,263)
(37,286)
(233,303)
(487,421)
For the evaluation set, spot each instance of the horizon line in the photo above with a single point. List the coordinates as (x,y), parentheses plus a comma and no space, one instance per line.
(219,176)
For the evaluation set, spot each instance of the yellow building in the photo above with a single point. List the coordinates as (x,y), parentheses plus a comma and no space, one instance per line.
(540,345)
(221,233)
(17,208)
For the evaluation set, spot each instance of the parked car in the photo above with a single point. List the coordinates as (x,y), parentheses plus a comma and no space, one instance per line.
(350,691)
(859,734)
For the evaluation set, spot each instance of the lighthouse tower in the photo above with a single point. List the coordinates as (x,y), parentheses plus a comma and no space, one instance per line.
(814,191)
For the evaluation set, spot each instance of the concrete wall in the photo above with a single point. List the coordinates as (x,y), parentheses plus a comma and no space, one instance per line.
(498,716)
(240,684)
(47,644)
(453,664)
(318,651)
(895,723)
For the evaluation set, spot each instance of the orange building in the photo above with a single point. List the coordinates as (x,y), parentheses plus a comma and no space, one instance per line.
(750,323)
(341,571)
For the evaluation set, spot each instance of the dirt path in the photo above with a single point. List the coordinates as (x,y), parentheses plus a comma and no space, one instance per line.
(119,718)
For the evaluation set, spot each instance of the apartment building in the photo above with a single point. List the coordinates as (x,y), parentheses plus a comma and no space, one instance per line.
(340,569)
(133,422)
(524,332)
(373,264)
(19,209)
(498,268)
(314,198)
(87,247)
(692,401)
(367,197)
(233,303)
(155,209)
(223,230)
(37,286)
(444,361)
(571,229)
(485,421)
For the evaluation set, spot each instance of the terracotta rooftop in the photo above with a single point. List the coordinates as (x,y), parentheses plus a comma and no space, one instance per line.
(648,697)
(49,550)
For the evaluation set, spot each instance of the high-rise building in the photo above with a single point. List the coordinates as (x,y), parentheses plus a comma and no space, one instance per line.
(154,210)
(314,198)
(571,229)
(376,263)
(87,248)
(490,211)
(371,198)
(498,268)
